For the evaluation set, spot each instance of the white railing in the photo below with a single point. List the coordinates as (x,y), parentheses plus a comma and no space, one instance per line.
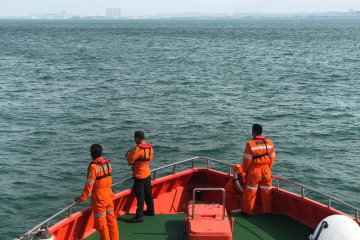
(208,164)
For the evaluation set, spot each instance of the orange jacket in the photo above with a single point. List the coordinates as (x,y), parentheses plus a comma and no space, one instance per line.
(98,178)
(259,151)
(140,158)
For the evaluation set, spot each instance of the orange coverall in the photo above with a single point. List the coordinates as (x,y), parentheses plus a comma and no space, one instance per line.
(259,156)
(99,185)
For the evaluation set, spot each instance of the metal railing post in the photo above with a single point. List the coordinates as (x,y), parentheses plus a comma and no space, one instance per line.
(207,163)
(193,206)
(329,202)
(154,175)
(356,215)
(192,164)
(70,211)
(229,169)
(277,183)
(174,169)
(303,192)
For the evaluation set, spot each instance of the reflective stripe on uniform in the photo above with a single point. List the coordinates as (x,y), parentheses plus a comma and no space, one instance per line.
(110,211)
(266,187)
(99,215)
(251,188)
(90,181)
(261,147)
(248,156)
(105,168)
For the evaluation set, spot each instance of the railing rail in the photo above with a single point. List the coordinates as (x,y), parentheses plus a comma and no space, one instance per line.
(329,198)
(208,161)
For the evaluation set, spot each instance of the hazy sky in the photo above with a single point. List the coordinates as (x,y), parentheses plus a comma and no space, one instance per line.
(150,7)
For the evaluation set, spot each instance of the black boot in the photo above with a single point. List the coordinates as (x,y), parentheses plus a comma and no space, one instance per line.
(135,220)
(149,213)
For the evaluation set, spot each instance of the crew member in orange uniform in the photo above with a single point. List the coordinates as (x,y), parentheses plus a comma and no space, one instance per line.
(259,157)
(140,158)
(234,189)
(99,185)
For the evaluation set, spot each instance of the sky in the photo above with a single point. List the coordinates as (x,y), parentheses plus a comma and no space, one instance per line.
(153,7)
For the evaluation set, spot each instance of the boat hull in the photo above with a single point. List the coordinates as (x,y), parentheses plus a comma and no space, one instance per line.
(172,193)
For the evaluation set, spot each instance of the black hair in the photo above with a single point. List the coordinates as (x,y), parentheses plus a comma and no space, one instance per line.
(257,129)
(139,135)
(96,151)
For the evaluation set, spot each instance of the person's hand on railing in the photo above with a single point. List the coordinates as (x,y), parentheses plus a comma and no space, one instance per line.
(77,199)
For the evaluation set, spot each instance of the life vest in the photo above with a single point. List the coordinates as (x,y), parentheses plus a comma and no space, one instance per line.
(239,180)
(255,148)
(144,146)
(102,162)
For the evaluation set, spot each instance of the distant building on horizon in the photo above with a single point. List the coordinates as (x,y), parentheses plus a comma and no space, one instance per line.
(113,12)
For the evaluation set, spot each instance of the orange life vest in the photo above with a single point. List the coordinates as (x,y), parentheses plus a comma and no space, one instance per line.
(140,158)
(258,151)
(101,163)
(146,157)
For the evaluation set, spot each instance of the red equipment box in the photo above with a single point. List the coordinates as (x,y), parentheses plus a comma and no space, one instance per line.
(208,221)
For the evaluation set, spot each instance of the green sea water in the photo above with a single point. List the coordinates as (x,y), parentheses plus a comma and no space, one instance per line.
(194,86)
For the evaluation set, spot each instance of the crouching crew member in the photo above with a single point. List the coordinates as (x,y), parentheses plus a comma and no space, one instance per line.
(140,158)
(259,157)
(99,185)
(234,190)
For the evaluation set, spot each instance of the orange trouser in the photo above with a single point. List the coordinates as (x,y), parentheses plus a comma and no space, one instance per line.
(258,175)
(105,220)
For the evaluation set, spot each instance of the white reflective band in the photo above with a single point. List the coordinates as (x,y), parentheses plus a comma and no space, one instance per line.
(105,168)
(236,210)
(251,188)
(99,215)
(248,156)
(237,182)
(260,148)
(266,187)
(90,181)
(109,211)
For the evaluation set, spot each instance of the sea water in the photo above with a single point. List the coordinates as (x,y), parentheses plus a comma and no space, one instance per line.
(195,87)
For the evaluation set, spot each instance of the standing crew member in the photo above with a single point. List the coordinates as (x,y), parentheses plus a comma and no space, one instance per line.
(99,185)
(140,158)
(259,157)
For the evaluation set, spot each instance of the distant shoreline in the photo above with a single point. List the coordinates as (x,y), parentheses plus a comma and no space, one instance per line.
(185,18)
(195,16)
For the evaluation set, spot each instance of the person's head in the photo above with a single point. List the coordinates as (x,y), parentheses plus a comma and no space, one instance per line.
(96,151)
(139,136)
(256,130)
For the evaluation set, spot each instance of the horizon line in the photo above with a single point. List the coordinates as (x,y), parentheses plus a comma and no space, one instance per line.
(351,11)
